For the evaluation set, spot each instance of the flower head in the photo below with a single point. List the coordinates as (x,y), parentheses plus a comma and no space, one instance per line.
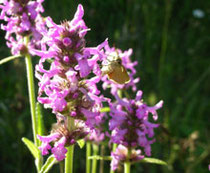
(130,124)
(62,137)
(63,87)
(23,19)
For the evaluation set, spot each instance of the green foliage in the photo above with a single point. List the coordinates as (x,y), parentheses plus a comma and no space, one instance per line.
(153,161)
(32,148)
(48,164)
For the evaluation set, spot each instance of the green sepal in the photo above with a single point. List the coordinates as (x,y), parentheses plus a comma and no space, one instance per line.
(32,148)
(81,143)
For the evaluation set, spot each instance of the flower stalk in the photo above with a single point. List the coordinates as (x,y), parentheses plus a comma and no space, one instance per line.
(69,159)
(70,152)
(31,91)
(127,164)
(94,162)
(101,170)
(88,154)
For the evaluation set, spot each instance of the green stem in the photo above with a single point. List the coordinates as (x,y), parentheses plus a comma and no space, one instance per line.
(31,91)
(101,170)
(61,166)
(127,164)
(94,161)
(70,152)
(69,159)
(88,154)
(9,59)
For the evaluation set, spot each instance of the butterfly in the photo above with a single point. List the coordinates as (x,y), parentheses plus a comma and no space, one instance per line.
(114,69)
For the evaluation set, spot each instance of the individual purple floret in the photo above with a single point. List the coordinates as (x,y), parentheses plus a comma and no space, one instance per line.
(23,19)
(121,155)
(95,136)
(130,123)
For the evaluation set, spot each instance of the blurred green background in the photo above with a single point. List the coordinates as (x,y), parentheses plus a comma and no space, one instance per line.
(170,40)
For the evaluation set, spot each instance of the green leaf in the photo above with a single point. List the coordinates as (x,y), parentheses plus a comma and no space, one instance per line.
(97,157)
(2,61)
(105,109)
(48,164)
(39,119)
(81,143)
(154,161)
(31,146)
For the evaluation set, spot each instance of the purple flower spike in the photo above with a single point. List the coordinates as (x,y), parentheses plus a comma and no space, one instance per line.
(130,122)
(23,19)
(61,137)
(62,87)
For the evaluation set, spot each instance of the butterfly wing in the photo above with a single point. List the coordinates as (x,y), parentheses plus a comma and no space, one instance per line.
(119,75)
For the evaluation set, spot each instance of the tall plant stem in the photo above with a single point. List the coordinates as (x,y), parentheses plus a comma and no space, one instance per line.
(69,159)
(70,152)
(127,167)
(101,170)
(31,91)
(94,161)
(127,164)
(88,153)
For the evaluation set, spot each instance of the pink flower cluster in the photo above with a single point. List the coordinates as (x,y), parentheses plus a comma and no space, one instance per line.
(23,19)
(63,87)
(130,124)
(61,136)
